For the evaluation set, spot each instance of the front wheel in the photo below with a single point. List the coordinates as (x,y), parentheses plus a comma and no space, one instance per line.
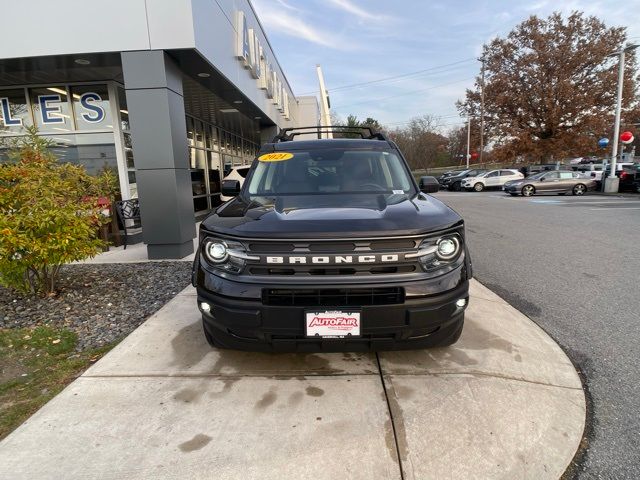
(478,187)
(579,189)
(528,190)
(456,187)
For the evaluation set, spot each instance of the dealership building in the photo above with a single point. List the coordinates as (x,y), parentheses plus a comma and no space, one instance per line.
(170,93)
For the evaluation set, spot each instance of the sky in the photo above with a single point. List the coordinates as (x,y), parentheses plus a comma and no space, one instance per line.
(431,47)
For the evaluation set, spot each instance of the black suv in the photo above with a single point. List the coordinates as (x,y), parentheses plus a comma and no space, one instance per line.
(330,245)
(454,182)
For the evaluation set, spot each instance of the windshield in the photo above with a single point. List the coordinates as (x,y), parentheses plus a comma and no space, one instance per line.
(331,171)
(536,176)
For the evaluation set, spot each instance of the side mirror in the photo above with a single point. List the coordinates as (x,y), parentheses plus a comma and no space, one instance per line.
(429,184)
(230,188)
(541,179)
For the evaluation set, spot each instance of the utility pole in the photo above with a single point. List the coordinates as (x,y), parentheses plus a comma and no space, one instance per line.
(468,137)
(325,117)
(611,183)
(481,108)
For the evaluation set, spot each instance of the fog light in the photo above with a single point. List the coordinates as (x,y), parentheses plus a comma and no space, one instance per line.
(207,308)
(461,302)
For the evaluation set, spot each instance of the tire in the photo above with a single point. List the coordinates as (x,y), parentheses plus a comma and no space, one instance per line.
(211,340)
(478,187)
(579,189)
(528,190)
(456,187)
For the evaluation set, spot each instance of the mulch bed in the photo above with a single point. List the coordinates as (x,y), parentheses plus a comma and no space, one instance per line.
(102,303)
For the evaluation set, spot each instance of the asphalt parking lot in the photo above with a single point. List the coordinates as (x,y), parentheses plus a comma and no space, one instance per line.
(572,265)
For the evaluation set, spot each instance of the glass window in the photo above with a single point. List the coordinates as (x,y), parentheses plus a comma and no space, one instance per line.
(214,172)
(190,132)
(91,107)
(95,151)
(133,186)
(51,109)
(124,112)
(566,174)
(492,174)
(128,150)
(214,138)
(198,186)
(199,134)
(334,171)
(14,111)
(551,176)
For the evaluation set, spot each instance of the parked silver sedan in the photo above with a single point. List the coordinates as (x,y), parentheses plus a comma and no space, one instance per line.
(559,182)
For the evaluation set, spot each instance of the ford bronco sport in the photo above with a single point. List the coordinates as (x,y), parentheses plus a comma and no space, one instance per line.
(330,245)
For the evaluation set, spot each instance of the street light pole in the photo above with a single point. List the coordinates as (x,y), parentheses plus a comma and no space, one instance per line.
(468,137)
(611,183)
(482,109)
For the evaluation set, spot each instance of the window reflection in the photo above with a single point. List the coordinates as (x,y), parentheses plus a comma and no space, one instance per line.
(14,111)
(51,109)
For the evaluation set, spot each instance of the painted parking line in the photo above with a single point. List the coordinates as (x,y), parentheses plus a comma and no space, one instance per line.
(547,201)
(616,208)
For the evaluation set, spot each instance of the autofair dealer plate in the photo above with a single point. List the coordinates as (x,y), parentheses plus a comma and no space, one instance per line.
(333,324)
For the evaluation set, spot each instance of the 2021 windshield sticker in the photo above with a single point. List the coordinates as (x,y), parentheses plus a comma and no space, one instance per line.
(275,157)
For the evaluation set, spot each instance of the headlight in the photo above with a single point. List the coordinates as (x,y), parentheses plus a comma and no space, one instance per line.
(225,255)
(448,248)
(215,251)
(439,254)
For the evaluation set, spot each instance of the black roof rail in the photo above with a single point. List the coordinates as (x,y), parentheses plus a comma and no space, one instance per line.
(365,132)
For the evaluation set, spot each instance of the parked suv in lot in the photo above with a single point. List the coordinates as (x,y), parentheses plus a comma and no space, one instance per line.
(492,179)
(331,246)
(454,182)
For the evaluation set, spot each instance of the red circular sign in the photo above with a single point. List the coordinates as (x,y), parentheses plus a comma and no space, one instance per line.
(474,155)
(626,137)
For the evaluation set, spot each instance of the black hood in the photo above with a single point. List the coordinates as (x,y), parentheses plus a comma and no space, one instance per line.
(328,217)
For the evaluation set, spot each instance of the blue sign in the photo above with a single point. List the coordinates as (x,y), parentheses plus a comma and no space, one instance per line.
(50,113)
(97,112)
(9,121)
(603,142)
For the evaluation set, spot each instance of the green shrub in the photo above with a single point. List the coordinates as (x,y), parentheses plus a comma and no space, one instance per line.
(49,215)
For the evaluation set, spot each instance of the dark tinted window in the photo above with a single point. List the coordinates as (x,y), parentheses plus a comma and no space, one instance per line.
(243,172)
(330,171)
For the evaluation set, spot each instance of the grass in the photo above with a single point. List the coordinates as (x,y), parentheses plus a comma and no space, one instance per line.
(35,365)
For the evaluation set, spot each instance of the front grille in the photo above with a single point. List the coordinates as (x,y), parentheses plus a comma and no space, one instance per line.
(377,246)
(320,271)
(332,297)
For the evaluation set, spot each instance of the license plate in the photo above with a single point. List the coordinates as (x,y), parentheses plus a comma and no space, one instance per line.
(332,324)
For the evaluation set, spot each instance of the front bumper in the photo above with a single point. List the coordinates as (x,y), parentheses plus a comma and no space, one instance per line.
(511,188)
(240,319)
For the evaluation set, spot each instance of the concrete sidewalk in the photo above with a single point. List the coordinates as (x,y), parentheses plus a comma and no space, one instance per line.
(504,402)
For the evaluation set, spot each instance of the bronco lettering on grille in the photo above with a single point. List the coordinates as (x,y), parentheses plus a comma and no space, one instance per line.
(326,259)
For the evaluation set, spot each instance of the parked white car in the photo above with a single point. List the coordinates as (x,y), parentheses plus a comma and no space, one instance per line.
(491,179)
(236,173)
